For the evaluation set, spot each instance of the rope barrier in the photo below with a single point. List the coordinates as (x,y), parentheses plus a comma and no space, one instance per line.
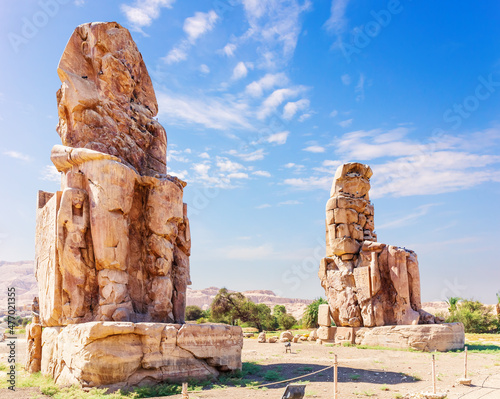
(290,379)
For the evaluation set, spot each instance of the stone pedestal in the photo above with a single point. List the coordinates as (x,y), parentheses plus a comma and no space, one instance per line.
(427,337)
(326,334)
(124,354)
(345,335)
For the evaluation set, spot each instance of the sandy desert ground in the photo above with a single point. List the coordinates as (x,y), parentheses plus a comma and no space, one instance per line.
(362,373)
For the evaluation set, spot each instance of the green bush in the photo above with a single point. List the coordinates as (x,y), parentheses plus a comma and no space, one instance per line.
(310,317)
(286,321)
(193,313)
(476,317)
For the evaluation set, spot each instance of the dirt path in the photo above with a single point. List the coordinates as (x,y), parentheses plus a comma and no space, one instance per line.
(365,373)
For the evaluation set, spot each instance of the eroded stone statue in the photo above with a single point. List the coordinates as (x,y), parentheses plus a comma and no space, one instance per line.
(113,245)
(367,283)
(34,340)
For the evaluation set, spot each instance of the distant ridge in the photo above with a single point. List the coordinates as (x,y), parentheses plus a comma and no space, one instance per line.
(204,297)
(20,275)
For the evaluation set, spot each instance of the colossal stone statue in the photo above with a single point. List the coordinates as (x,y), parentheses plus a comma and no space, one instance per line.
(367,283)
(113,246)
(373,289)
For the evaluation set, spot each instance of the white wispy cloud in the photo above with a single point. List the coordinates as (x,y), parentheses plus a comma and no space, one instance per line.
(261,173)
(181,174)
(226,165)
(143,12)
(256,155)
(337,22)
(305,116)
(310,183)
(278,138)
(178,53)
(199,24)
(267,82)
(210,112)
(50,173)
(360,88)
(204,155)
(263,206)
(407,219)
(229,49)
(314,148)
(291,108)
(201,168)
(276,25)
(404,167)
(275,99)
(176,155)
(334,113)
(238,175)
(194,27)
(290,202)
(79,3)
(17,155)
(331,163)
(346,79)
(296,167)
(436,172)
(346,123)
(204,69)
(239,71)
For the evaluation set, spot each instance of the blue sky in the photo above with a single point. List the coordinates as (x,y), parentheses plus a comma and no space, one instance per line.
(261,101)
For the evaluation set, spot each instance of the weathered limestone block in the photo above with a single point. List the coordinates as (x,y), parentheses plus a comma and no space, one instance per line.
(262,337)
(324,315)
(341,246)
(47,270)
(218,343)
(125,354)
(432,337)
(403,311)
(286,336)
(357,204)
(345,335)
(326,333)
(313,335)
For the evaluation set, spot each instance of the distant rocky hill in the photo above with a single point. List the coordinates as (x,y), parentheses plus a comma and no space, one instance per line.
(21,275)
(203,298)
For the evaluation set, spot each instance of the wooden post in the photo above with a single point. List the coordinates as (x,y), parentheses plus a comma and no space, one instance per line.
(433,374)
(185,390)
(465,364)
(335,374)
